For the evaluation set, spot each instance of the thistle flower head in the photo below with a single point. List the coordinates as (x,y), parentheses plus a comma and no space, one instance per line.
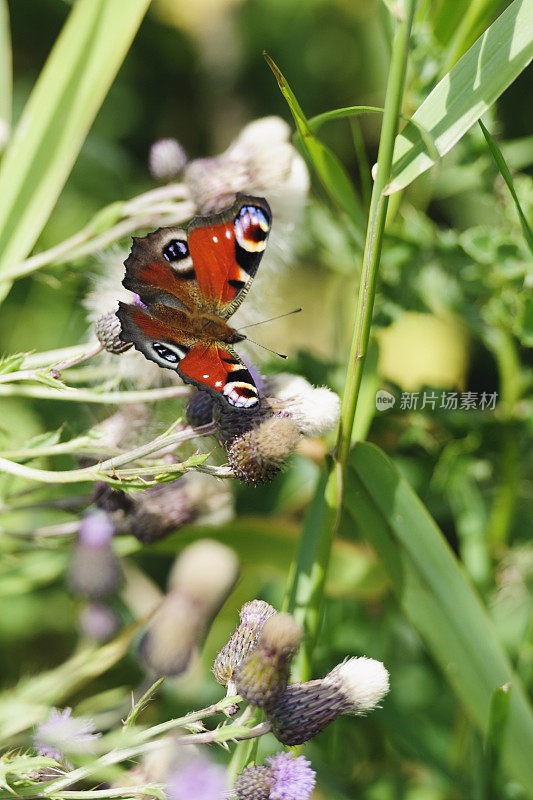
(197,778)
(199,582)
(255,613)
(263,675)
(292,778)
(364,682)
(107,329)
(305,709)
(261,161)
(353,687)
(257,455)
(62,735)
(253,616)
(157,511)
(282,778)
(315,411)
(167,159)
(173,635)
(205,572)
(254,783)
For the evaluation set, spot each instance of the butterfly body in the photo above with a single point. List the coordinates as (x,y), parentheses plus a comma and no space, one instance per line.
(189,281)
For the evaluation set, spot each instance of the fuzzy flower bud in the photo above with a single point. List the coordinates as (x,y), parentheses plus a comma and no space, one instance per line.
(261,161)
(253,617)
(315,411)
(94,570)
(259,454)
(364,682)
(107,328)
(353,687)
(200,581)
(262,676)
(167,159)
(283,778)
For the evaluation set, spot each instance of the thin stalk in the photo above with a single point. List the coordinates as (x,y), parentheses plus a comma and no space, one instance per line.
(308,574)
(121,217)
(374,235)
(89,396)
(110,466)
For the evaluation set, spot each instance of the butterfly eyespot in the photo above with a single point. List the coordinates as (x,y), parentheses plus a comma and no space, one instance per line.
(172,355)
(176,250)
(251,229)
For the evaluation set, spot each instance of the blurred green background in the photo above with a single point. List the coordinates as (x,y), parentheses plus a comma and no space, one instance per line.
(454,313)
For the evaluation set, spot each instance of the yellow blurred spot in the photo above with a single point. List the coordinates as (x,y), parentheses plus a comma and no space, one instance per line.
(424,350)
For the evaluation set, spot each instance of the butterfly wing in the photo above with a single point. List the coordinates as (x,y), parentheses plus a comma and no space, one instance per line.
(209,266)
(161,334)
(226,250)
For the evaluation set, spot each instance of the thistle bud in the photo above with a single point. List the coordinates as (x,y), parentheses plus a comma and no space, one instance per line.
(283,778)
(167,159)
(172,636)
(159,511)
(199,409)
(107,329)
(262,676)
(253,617)
(305,709)
(254,783)
(206,572)
(259,454)
(200,581)
(94,570)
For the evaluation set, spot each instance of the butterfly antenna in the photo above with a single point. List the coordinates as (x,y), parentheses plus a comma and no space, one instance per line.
(266,348)
(287,314)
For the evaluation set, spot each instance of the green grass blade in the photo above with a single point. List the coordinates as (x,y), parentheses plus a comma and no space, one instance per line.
(6,74)
(327,166)
(465,93)
(494,741)
(58,115)
(437,598)
(506,175)
(316,122)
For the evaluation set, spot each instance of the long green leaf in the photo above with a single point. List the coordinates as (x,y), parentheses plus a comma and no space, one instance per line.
(506,175)
(465,93)
(58,115)
(6,77)
(438,599)
(328,168)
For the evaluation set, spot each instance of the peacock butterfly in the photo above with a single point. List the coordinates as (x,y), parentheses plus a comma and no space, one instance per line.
(189,282)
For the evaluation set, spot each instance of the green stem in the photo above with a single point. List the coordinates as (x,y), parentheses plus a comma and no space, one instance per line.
(374,235)
(308,576)
(89,396)
(109,468)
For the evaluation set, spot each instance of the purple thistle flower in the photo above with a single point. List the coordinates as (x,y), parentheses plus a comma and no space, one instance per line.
(64,734)
(199,779)
(292,778)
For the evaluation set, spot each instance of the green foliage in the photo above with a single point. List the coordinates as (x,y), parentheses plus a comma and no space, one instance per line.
(417,553)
